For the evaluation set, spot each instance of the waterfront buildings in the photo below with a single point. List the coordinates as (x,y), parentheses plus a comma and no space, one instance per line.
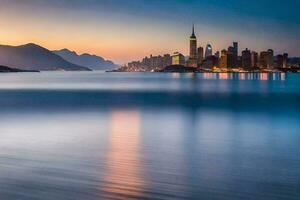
(282,60)
(151,63)
(266,59)
(285,60)
(263,59)
(200,56)
(270,58)
(231,57)
(235,54)
(224,59)
(246,59)
(208,51)
(193,58)
(254,59)
(178,59)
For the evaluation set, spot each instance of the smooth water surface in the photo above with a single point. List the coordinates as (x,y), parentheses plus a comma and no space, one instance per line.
(94,135)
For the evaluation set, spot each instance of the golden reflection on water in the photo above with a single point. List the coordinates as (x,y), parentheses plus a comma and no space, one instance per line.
(123,175)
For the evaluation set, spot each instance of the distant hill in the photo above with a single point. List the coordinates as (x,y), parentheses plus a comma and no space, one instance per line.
(91,61)
(294,60)
(35,57)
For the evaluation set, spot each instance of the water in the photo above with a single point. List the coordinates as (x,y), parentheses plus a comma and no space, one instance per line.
(97,135)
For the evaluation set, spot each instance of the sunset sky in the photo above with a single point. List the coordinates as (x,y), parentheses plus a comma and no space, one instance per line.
(125,30)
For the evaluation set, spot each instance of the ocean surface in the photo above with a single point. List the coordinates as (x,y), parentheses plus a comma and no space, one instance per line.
(96,135)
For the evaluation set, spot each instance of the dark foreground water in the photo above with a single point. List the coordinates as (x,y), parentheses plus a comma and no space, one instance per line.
(86,136)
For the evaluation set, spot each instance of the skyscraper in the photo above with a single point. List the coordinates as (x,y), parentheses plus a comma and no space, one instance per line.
(282,61)
(246,59)
(200,55)
(208,51)
(285,60)
(279,61)
(192,62)
(235,54)
(224,60)
(270,58)
(231,57)
(263,59)
(254,59)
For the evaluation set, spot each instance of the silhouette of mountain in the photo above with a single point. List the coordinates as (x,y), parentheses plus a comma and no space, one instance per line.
(294,60)
(91,61)
(35,57)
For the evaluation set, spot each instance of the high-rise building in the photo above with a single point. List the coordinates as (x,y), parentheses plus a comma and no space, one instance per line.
(231,57)
(224,60)
(178,59)
(285,60)
(208,51)
(193,61)
(264,59)
(200,55)
(279,61)
(270,58)
(167,60)
(246,59)
(235,54)
(282,61)
(254,59)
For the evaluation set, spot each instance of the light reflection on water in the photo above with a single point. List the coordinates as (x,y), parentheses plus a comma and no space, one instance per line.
(123,174)
(217,137)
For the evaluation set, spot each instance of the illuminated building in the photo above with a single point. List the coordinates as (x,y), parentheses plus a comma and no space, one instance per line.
(279,61)
(270,58)
(210,62)
(231,57)
(178,59)
(263,59)
(235,54)
(217,54)
(192,62)
(167,60)
(208,51)
(246,59)
(254,59)
(285,60)
(223,60)
(200,56)
(217,58)
(266,59)
(282,61)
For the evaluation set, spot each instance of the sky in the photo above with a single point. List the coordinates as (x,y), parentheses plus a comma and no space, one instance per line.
(126,30)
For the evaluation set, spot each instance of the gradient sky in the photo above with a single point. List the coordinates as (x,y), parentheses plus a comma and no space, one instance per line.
(125,30)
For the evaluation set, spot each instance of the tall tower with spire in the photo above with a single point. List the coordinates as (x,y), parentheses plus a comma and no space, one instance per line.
(192,62)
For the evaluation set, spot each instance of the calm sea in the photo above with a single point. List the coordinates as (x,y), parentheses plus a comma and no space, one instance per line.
(94,135)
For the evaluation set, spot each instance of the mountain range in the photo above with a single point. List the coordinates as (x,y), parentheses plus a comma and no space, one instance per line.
(35,57)
(91,61)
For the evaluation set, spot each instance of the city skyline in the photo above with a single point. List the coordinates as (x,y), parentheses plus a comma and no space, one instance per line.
(125,31)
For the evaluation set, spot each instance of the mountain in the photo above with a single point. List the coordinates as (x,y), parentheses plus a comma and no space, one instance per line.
(294,60)
(35,57)
(91,61)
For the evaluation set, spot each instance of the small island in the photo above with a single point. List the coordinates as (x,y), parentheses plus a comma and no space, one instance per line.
(5,69)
